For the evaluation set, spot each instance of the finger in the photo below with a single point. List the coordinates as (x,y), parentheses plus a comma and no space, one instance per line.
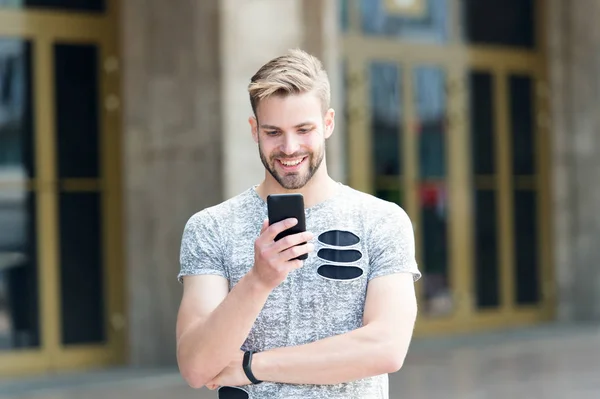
(294,264)
(278,227)
(295,251)
(293,240)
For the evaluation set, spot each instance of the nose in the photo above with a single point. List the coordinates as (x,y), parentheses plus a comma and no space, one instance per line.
(290,144)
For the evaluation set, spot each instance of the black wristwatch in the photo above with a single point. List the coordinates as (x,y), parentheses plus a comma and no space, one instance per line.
(247,365)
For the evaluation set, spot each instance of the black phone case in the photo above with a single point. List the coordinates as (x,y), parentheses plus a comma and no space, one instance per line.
(285,206)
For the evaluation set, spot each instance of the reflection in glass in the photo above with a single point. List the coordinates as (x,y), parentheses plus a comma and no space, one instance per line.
(344,15)
(434,228)
(75,5)
(81,278)
(346,89)
(526,247)
(521,121)
(386,109)
(430,99)
(430,28)
(394,195)
(19,316)
(16,120)
(482,123)
(430,104)
(77,110)
(487,278)
(19,323)
(500,22)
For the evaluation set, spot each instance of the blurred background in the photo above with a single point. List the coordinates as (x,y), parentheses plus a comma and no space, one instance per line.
(119,119)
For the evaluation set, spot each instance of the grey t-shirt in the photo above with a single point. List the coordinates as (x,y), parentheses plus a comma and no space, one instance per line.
(358,237)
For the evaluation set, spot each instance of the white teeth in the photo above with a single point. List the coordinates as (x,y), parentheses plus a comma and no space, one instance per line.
(292,163)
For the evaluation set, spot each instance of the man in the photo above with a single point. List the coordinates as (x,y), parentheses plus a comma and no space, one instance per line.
(332,326)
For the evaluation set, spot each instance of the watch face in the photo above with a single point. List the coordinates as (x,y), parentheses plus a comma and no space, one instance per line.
(232,393)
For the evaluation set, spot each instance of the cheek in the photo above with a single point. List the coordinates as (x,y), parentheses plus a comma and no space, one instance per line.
(315,143)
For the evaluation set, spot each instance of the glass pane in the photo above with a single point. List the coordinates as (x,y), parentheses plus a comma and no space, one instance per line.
(386,111)
(16,115)
(77,110)
(500,22)
(389,189)
(434,250)
(430,97)
(82,280)
(344,15)
(521,116)
(482,123)
(486,250)
(347,115)
(430,106)
(526,247)
(19,312)
(76,5)
(429,28)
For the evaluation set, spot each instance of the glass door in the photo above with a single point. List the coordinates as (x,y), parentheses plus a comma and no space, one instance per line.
(60,284)
(452,129)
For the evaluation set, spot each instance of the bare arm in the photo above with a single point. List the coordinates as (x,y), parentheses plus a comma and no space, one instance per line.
(379,347)
(213,323)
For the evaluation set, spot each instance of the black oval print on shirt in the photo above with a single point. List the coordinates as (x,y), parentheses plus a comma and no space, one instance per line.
(232,393)
(339,255)
(339,238)
(340,272)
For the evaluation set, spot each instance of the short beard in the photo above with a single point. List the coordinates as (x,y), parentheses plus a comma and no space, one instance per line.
(293,182)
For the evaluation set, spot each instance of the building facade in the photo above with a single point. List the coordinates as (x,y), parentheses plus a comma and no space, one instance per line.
(120,119)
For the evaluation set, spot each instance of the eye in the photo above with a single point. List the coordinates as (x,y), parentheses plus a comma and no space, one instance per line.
(271,132)
(304,130)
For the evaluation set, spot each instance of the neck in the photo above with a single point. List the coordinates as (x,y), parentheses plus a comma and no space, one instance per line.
(320,188)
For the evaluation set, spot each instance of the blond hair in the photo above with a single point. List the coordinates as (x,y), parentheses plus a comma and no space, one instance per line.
(297,72)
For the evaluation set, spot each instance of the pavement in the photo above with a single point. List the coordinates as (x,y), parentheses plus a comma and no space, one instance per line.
(545,362)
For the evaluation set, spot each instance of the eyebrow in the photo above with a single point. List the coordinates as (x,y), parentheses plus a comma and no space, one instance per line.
(272,127)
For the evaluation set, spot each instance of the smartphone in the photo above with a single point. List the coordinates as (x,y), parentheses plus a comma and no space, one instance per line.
(285,206)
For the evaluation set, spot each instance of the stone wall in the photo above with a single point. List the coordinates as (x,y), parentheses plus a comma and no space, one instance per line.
(574,51)
(172,155)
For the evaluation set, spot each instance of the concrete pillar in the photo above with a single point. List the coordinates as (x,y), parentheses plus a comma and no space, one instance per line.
(247,43)
(172,155)
(574,56)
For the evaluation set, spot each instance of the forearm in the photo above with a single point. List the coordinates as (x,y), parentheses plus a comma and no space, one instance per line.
(358,354)
(207,347)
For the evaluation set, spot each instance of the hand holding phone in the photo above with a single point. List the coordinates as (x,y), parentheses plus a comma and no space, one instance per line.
(283,242)
(287,206)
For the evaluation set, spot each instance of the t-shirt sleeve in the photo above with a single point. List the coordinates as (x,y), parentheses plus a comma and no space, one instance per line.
(392,245)
(200,251)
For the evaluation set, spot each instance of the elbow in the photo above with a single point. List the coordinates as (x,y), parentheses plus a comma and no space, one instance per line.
(193,373)
(392,357)
(393,362)
(195,379)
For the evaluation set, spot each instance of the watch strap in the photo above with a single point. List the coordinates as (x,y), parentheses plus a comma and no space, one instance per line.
(247,366)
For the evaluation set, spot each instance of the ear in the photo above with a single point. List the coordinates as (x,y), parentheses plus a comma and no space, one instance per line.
(329,123)
(254,128)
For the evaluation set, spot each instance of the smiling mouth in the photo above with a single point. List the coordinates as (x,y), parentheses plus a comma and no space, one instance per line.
(291,163)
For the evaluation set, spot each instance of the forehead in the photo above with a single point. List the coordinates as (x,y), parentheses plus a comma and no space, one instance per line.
(289,110)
